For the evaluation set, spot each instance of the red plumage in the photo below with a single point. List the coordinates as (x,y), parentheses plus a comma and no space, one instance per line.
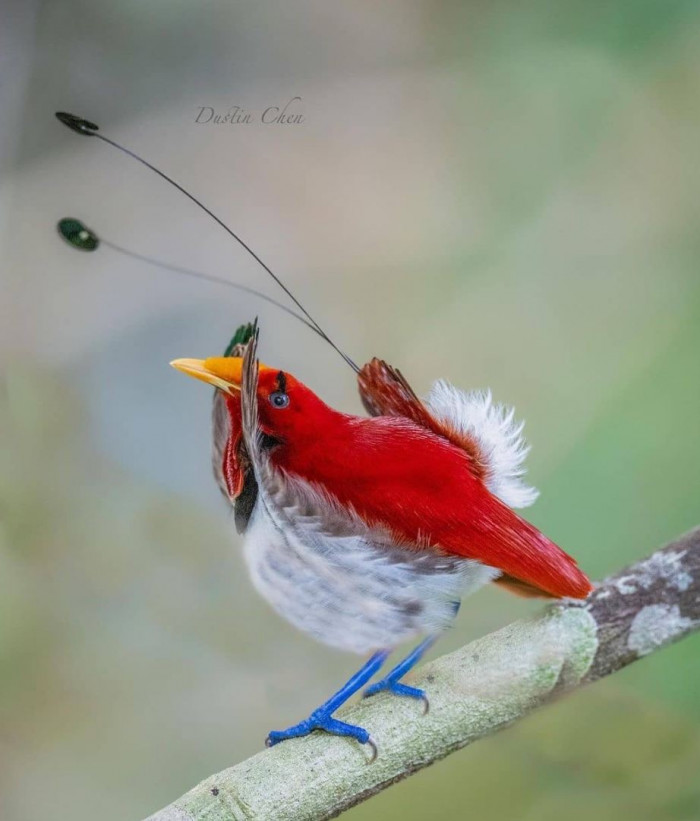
(408,478)
(367,532)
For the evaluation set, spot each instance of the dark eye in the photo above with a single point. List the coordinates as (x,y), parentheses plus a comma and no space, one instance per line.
(279,399)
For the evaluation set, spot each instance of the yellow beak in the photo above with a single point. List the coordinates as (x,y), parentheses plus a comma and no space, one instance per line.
(223,372)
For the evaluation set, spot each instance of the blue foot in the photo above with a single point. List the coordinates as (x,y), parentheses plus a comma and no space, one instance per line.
(318,720)
(322,718)
(391,684)
(398,689)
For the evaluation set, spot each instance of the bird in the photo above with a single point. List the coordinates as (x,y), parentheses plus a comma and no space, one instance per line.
(367,531)
(364,532)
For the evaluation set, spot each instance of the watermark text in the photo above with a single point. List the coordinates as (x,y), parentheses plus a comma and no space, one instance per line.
(291,113)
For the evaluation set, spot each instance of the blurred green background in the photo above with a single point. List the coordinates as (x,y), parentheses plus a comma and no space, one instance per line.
(501,194)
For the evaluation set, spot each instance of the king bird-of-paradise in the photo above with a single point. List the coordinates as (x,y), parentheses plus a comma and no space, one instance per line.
(366,532)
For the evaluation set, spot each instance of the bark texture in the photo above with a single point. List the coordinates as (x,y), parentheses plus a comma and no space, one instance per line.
(474,691)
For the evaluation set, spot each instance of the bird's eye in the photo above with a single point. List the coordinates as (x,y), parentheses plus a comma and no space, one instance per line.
(278,399)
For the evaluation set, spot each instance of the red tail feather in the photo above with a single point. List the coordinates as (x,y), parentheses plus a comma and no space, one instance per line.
(506,541)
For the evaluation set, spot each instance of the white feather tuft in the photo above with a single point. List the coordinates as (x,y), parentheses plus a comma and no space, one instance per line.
(499,437)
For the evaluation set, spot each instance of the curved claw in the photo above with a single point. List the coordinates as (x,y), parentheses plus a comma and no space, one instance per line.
(375,750)
(301,729)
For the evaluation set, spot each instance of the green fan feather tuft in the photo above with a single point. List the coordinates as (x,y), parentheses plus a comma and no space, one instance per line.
(241,337)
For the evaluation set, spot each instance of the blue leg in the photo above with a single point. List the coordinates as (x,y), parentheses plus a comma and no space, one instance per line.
(321,718)
(391,682)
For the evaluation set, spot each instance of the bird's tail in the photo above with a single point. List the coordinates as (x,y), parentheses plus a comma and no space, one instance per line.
(531,564)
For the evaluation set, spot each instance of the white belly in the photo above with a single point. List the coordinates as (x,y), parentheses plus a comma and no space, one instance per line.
(352,594)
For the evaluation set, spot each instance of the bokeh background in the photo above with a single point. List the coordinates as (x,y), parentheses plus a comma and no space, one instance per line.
(503,194)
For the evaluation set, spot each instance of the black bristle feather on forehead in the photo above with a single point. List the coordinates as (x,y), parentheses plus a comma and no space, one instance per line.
(282,382)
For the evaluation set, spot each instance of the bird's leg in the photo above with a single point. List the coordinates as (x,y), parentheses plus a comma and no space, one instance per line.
(391,682)
(322,718)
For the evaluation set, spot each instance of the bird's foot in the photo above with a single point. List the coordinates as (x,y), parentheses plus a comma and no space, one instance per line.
(392,685)
(322,717)
(322,720)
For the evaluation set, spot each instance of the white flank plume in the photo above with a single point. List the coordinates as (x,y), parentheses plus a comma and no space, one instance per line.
(499,438)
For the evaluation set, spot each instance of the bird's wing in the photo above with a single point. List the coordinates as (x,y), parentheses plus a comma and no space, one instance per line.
(324,544)
(385,391)
(221,430)
(485,431)
(230,461)
(230,481)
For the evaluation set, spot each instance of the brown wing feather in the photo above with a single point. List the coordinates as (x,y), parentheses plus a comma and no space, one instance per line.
(220,434)
(385,392)
(240,487)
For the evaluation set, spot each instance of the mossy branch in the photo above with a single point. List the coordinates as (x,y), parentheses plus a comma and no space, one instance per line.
(474,691)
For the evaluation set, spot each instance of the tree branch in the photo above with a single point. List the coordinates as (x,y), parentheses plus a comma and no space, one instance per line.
(474,691)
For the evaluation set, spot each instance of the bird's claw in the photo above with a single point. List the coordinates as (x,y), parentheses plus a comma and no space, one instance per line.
(322,721)
(375,750)
(398,689)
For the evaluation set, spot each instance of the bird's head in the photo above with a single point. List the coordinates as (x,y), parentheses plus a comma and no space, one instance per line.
(287,409)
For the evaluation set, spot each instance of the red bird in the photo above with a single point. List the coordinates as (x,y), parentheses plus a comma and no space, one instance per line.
(363,532)
(367,532)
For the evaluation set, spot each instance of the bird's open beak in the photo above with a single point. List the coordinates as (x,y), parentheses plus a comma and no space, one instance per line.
(223,372)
